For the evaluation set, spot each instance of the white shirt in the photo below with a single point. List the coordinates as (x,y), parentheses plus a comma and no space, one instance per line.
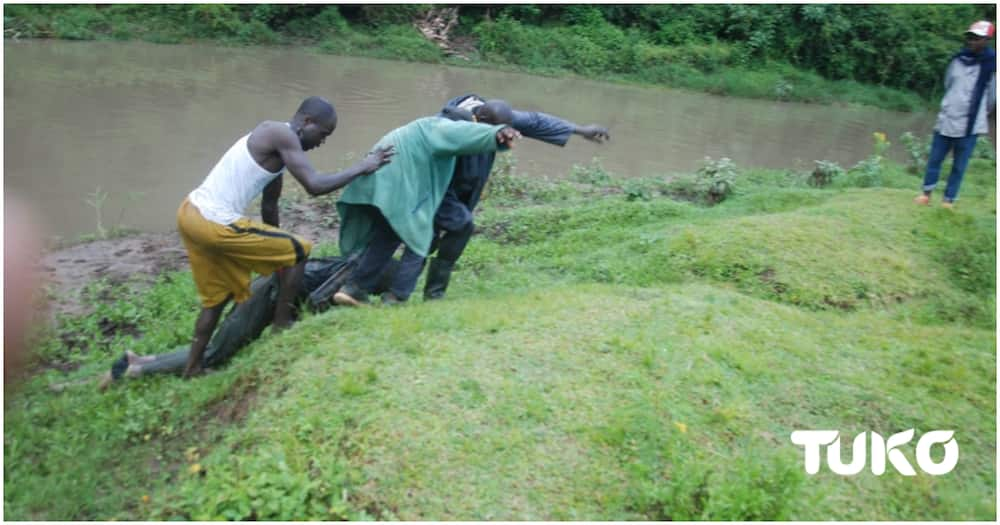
(232,184)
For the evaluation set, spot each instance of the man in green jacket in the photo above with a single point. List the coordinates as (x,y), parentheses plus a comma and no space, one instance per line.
(379,213)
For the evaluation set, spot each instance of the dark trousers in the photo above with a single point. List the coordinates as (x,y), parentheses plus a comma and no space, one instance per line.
(378,254)
(384,244)
(449,246)
(453,227)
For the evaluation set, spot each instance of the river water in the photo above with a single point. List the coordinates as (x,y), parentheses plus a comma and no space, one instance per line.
(144,123)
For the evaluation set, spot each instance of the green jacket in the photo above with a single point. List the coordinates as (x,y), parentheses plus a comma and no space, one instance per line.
(409,190)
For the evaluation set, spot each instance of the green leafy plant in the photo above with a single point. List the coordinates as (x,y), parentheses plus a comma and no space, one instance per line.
(824,173)
(984,149)
(636,189)
(868,172)
(96,201)
(916,151)
(592,173)
(716,179)
(783,89)
(503,182)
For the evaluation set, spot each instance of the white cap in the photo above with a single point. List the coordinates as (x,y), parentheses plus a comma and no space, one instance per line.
(982,28)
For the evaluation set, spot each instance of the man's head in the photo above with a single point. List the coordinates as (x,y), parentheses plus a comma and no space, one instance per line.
(977,35)
(494,112)
(314,121)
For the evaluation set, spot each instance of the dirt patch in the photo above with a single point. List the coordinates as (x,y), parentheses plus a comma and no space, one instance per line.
(236,407)
(844,305)
(139,259)
(768,278)
(240,399)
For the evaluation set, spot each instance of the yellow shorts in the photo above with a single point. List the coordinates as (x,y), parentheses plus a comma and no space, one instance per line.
(222,257)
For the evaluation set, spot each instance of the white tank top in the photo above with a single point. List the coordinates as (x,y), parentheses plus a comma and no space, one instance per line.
(235,181)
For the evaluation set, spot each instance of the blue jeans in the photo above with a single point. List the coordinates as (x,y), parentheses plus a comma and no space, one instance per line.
(940,146)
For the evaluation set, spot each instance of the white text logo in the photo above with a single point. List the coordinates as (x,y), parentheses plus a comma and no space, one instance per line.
(882,450)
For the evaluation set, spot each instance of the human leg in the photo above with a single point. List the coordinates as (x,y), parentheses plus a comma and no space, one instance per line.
(405,279)
(241,326)
(289,279)
(222,257)
(940,145)
(960,160)
(450,247)
(376,257)
(203,328)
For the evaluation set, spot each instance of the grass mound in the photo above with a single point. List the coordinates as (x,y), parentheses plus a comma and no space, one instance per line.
(603,355)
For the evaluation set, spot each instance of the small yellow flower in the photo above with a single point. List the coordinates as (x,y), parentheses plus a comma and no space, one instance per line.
(194,469)
(145,498)
(879,136)
(681,426)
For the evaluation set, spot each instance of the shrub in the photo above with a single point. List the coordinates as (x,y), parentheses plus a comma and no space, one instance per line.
(213,20)
(868,172)
(593,174)
(916,150)
(984,149)
(78,23)
(637,189)
(403,42)
(392,14)
(716,179)
(824,173)
(328,22)
(503,184)
(256,32)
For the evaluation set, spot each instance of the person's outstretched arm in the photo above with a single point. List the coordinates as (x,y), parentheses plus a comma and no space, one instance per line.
(455,138)
(554,130)
(316,183)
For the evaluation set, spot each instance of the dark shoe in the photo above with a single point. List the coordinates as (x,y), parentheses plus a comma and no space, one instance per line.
(438,275)
(350,295)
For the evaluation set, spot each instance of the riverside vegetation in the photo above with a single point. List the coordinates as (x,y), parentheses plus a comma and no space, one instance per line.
(888,56)
(610,349)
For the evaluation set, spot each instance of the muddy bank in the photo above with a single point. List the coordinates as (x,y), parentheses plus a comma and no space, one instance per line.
(138,259)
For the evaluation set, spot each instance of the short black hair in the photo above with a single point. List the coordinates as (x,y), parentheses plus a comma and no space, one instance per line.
(496,111)
(318,109)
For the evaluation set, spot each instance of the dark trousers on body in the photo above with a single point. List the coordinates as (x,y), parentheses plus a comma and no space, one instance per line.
(453,227)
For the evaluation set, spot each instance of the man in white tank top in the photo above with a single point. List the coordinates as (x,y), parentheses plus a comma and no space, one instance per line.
(224,246)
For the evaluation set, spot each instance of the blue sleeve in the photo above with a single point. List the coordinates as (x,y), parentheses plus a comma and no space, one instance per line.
(544,127)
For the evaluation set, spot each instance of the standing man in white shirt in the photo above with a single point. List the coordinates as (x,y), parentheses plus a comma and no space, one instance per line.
(224,246)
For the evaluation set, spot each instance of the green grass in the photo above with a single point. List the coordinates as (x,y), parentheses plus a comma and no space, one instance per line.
(598,358)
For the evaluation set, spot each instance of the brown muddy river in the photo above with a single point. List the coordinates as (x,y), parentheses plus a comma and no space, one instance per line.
(144,123)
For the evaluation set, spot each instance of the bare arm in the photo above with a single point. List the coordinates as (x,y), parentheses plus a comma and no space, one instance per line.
(316,183)
(269,203)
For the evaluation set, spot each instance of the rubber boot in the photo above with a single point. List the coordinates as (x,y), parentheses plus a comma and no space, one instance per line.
(438,274)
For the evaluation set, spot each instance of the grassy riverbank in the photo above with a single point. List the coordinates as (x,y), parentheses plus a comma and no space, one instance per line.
(884,56)
(609,350)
